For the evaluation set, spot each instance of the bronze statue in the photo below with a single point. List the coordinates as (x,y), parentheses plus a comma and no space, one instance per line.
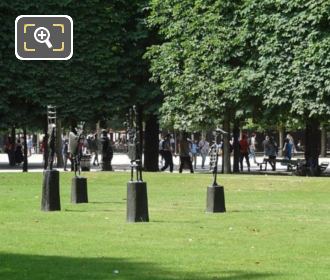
(218,149)
(51,116)
(75,139)
(134,145)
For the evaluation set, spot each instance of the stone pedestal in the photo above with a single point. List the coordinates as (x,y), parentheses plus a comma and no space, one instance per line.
(51,191)
(137,202)
(215,201)
(79,190)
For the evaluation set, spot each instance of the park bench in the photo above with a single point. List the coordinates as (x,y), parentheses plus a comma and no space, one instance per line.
(323,166)
(294,165)
(291,164)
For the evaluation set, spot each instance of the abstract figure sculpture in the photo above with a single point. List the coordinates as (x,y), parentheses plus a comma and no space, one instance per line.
(50,188)
(75,139)
(137,198)
(215,201)
(51,117)
(134,145)
(78,184)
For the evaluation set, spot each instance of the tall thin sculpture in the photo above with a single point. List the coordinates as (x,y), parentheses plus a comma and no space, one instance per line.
(75,138)
(137,198)
(134,145)
(79,184)
(50,188)
(215,201)
(51,118)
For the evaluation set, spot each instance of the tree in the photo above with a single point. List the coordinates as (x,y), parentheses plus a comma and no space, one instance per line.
(269,58)
(103,78)
(293,44)
(201,65)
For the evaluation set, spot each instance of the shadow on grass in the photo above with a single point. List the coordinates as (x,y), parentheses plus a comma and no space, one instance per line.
(24,267)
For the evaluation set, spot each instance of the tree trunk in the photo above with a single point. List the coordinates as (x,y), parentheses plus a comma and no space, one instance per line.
(151,141)
(323,141)
(280,141)
(45,144)
(58,148)
(226,144)
(140,126)
(312,146)
(11,152)
(236,146)
(98,129)
(25,160)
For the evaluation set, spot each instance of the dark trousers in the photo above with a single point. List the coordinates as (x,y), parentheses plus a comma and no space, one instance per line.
(185,160)
(272,162)
(241,157)
(168,160)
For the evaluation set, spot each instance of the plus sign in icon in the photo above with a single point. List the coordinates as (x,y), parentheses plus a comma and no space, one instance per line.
(40,37)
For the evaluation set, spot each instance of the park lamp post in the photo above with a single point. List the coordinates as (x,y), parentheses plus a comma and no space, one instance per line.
(137,198)
(51,186)
(215,201)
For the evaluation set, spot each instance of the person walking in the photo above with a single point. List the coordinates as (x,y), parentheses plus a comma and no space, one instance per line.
(252,147)
(167,153)
(270,151)
(184,152)
(289,147)
(204,147)
(244,152)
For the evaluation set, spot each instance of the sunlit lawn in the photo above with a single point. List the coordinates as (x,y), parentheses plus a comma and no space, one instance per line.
(274,228)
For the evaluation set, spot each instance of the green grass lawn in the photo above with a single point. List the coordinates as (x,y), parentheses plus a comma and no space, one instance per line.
(274,228)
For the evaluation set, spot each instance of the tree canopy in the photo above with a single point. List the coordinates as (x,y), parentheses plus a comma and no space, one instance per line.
(269,57)
(101,78)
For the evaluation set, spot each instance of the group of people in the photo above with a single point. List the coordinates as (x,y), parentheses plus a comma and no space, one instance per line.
(90,145)
(188,150)
(15,148)
(248,149)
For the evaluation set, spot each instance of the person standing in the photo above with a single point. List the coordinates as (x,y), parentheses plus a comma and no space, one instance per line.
(244,152)
(10,150)
(95,149)
(107,152)
(289,147)
(204,147)
(252,147)
(184,151)
(270,150)
(29,145)
(167,153)
(65,153)
(194,151)
(161,150)
(19,152)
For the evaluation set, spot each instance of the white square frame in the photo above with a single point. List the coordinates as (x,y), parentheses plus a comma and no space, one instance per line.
(40,58)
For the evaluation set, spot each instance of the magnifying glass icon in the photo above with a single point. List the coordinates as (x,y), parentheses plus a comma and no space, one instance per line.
(41,35)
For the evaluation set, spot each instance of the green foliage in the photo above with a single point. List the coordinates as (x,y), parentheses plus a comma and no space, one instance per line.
(199,63)
(293,44)
(269,58)
(105,75)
